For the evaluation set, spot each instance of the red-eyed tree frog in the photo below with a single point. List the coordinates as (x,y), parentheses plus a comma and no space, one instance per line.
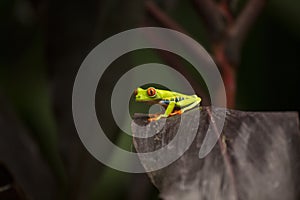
(174,102)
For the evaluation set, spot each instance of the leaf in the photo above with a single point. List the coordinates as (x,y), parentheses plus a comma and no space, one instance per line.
(28,170)
(256,157)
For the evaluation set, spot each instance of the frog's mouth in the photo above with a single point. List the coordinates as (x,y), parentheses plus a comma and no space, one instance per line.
(151,102)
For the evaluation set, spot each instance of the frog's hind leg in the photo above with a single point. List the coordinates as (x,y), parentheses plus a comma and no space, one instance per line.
(191,106)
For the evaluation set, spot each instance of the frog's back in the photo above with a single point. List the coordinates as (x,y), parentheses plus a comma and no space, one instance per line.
(176,97)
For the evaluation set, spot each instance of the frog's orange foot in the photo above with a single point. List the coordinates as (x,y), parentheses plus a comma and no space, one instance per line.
(177,112)
(151,119)
(153,115)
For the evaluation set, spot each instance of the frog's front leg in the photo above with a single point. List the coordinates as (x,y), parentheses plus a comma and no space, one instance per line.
(168,111)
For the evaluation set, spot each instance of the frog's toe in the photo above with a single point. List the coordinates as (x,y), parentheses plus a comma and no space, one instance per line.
(177,112)
(151,119)
(153,115)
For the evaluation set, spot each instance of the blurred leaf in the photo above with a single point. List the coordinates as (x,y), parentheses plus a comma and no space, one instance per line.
(26,86)
(21,155)
(9,189)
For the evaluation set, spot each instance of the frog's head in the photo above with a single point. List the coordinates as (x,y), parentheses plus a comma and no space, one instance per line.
(148,95)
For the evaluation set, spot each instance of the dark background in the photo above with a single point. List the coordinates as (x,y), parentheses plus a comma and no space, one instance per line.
(42,44)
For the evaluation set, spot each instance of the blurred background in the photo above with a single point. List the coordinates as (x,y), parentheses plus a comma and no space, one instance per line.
(42,45)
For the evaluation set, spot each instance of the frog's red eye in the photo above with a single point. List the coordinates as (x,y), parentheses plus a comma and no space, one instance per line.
(151,92)
(135,92)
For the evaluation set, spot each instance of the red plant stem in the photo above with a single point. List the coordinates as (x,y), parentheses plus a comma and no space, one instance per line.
(228,73)
(155,12)
(227,36)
